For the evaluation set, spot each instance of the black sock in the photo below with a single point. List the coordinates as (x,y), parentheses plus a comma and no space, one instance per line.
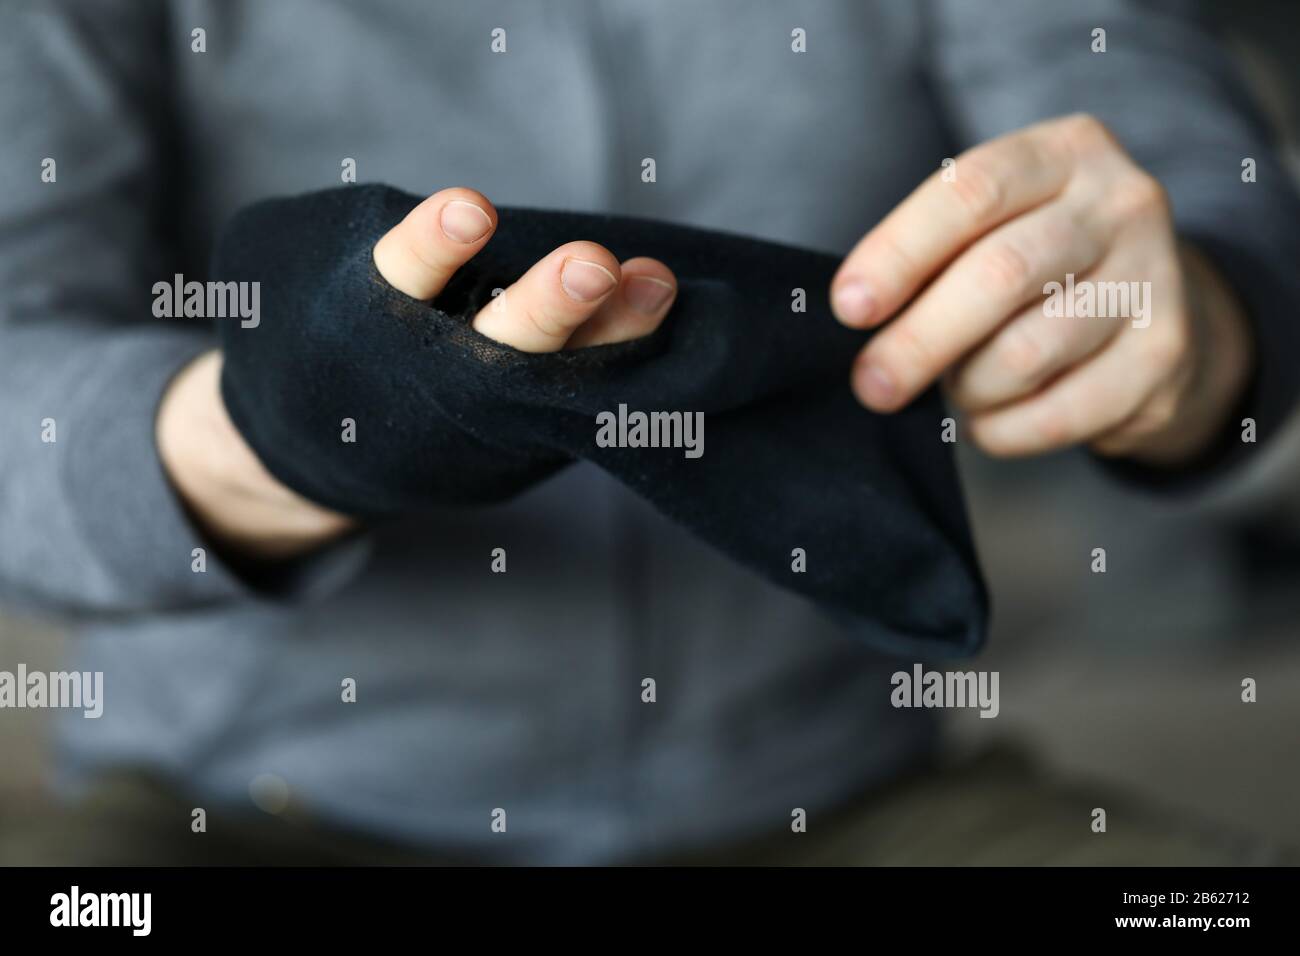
(444,415)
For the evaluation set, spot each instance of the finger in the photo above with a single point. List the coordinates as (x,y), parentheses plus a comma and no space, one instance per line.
(1134,433)
(1086,402)
(552,299)
(644,296)
(973,297)
(1027,352)
(987,186)
(437,237)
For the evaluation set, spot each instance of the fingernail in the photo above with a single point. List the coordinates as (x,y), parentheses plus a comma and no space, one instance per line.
(853,302)
(647,294)
(463,221)
(585,281)
(876,385)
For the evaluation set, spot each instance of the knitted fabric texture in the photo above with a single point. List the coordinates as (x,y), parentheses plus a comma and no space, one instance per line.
(443,416)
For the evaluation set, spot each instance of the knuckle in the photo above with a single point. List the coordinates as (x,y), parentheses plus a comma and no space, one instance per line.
(907,354)
(1059,235)
(1141,194)
(1006,271)
(978,189)
(887,248)
(1164,349)
(1021,354)
(422,251)
(544,324)
(1086,133)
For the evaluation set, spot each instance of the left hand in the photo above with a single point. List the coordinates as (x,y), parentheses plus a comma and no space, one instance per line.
(959,270)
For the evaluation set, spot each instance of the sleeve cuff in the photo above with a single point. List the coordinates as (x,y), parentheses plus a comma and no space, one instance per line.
(125,506)
(1260,270)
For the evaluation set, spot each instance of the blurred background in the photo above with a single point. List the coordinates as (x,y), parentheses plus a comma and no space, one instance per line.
(1132,677)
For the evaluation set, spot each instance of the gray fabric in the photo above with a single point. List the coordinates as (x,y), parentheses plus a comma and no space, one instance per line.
(479,691)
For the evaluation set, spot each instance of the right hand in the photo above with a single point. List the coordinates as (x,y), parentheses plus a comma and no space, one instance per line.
(577,296)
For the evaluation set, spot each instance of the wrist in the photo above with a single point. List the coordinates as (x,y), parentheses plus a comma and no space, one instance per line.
(1221,373)
(227,490)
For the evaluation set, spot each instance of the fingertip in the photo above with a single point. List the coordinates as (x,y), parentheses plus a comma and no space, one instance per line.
(461,194)
(588,272)
(419,254)
(464,222)
(553,299)
(463,215)
(854,302)
(875,386)
(590,252)
(645,294)
(649,286)
(649,295)
(646,266)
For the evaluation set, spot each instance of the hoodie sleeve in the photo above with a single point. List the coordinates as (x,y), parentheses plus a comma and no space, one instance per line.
(88,520)
(1169,90)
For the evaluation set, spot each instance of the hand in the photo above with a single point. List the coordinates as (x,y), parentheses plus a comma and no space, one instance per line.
(229,494)
(579,295)
(959,271)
